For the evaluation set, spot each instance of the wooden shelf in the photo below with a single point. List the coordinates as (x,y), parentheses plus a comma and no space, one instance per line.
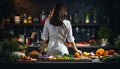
(89,24)
(39,24)
(24,25)
(96,46)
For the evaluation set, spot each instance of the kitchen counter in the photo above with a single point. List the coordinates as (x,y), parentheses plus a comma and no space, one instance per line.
(82,64)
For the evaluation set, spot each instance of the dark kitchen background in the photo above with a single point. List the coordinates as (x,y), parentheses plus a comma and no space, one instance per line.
(104,9)
(106,12)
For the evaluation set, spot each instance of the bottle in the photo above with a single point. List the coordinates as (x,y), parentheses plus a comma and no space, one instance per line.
(75,18)
(28,41)
(17,19)
(12,18)
(77,29)
(94,16)
(70,18)
(12,31)
(29,19)
(38,37)
(87,16)
(42,17)
(35,20)
(25,19)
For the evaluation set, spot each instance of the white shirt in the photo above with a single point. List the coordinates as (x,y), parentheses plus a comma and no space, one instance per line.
(57,37)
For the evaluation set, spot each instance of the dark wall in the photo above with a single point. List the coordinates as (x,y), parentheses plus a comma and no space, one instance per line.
(6,7)
(35,7)
(105,10)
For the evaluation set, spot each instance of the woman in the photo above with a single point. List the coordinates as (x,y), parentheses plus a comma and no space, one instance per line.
(58,29)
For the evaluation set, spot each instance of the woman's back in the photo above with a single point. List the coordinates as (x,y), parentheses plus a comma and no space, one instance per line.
(58,33)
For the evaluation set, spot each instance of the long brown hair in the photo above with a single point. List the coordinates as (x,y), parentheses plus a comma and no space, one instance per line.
(59,14)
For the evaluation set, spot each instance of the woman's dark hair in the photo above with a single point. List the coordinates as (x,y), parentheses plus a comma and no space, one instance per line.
(59,14)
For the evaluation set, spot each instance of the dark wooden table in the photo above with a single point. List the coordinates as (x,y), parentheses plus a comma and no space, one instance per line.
(60,65)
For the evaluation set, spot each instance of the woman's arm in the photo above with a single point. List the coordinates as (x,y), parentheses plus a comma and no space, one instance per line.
(75,48)
(70,38)
(44,36)
(43,46)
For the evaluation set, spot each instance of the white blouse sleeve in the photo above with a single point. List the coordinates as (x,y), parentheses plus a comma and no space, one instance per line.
(70,37)
(45,31)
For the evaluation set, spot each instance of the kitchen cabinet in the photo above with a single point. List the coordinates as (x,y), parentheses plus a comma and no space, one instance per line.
(81,32)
